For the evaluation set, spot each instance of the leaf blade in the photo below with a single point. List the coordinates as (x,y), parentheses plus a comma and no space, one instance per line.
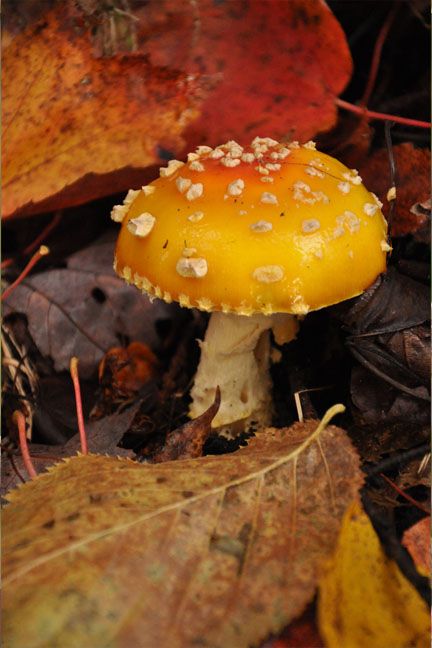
(395,615)
(224,517)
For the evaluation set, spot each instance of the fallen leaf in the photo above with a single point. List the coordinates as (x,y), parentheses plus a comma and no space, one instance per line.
(123,374)
(389,335)
(301,633)
(412,184)
(275,72)
(374,435)
(415,473)
(376,403)
(71,120)
(216,550)
(187,441)
(417,540)
(364,600)
(102,438)
(89,317)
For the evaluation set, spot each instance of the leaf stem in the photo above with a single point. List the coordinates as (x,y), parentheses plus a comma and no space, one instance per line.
(43,251)
(376,56)
(405,495)
(19,420)
(371,114)
(38,240)
(78,401)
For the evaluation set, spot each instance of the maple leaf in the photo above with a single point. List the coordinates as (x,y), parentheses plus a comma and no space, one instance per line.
(221,550)
(364,600)
(68,116)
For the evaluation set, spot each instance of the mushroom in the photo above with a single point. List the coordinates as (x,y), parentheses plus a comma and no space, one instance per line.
(257,236)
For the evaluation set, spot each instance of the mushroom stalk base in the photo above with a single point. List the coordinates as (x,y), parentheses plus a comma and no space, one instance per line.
(235,355)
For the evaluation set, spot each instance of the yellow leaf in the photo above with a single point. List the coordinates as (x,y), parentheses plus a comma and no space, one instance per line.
(217,551)
(364,600)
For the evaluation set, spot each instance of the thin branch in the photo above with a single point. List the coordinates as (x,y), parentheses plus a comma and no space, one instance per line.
(19,420)
(43,251)
(78,401)
(371,114)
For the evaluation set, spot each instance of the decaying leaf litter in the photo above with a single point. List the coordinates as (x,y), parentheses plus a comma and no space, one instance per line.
(387,422)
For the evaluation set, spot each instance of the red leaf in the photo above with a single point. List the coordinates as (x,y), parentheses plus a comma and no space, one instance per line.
(276,66)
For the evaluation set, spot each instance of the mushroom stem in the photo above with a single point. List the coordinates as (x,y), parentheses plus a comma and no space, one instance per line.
(235,356)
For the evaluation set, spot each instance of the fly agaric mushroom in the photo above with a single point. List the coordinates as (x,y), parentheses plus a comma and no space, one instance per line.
(258,236)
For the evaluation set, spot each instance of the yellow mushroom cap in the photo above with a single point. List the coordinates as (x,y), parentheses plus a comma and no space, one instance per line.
(260,229)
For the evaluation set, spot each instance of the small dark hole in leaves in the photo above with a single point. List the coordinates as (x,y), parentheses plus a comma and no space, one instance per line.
(98,295)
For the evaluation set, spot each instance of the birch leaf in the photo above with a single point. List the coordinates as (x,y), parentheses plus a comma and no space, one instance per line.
(364,598)
(215,551)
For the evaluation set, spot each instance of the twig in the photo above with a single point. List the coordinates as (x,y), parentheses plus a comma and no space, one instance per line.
(376,56)
(19,420)
(78,401)
(15,469)
(43,251)
(371,114)
(392,164)
(38,240)
(405,495)
(398,459)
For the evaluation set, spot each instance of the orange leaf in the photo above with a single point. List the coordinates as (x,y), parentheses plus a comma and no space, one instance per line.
(417,540)
(71,120)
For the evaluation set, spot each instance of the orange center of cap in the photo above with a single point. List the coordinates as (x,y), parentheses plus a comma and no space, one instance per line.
(266,228)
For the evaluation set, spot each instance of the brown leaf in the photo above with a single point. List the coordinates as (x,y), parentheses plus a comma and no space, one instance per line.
(123,373)
(90,316)
(216,550)
(375,402)
(102,438)
(71,121)
(417,540)
(187,441)
(412,184)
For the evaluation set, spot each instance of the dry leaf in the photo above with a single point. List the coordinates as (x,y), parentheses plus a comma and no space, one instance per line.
(187,441)
(97,309)
(301,633)
(216,551)
(70,117)
(412,184)
(76,126)
(417,540)
(272,69)
(123,375)
(102,437)
(364,599)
